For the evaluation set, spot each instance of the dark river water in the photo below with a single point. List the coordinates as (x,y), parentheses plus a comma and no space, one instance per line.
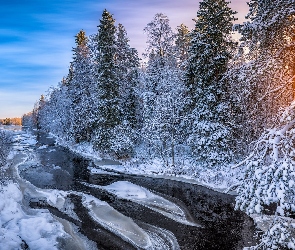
(220,226)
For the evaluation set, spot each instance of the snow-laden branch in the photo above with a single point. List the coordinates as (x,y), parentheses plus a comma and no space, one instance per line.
(244,161)
(278,88)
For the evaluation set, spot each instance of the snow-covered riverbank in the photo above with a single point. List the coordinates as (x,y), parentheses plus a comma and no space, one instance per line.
(20,226)
(158,214)
(220,180)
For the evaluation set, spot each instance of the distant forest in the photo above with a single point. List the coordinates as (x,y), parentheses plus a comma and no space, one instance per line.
(11,121)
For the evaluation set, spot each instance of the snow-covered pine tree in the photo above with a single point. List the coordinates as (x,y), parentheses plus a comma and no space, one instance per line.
(55,114)
(108,112)
(80,90)
(182,44)
(265,82)
(211,50)
(163,96)
(270,179)
(127,71)
(5,142)
(36,113)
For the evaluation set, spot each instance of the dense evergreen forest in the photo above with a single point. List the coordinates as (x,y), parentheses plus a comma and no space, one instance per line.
(11,121)
(201,99)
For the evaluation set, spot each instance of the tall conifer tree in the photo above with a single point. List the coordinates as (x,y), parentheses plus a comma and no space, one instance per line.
(107,83)
(265,82)
(127,72)
(211,50)
(182,43)
(81,90)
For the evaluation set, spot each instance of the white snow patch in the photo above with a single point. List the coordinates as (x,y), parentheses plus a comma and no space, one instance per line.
(100,171)
(38,229)
(30,141)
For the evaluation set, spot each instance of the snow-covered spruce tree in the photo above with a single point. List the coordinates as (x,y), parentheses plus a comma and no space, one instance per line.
(265,82)
(163,96)
(108,112)
(182,44)
(270,179)
(27,120)
(127,72)
(80,91)
(36,113)
(5,140)
(210,52)
(55,114)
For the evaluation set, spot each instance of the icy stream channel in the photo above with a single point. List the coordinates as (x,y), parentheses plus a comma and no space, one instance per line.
(60,233)
(129,191)
(57,200)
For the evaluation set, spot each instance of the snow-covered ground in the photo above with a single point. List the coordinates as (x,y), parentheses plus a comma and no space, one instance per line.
(36,228)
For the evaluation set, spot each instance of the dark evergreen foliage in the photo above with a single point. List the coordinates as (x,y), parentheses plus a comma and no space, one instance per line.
(211,50)
(109,113)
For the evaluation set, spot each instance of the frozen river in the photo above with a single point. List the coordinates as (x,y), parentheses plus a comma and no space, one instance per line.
(107,210)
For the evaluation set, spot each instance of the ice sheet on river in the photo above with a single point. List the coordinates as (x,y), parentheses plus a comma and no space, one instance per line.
(141,195)
(116,222)
(53,231)
(149,237)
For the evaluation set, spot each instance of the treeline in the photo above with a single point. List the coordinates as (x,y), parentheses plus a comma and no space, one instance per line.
(201,96)
(11,121)
(5,146)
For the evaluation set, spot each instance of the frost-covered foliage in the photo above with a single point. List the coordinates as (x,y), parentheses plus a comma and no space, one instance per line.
(124,140)
(109,113)
(80,90)
(210,52)
(55,116)
(98,97)
(270,175)
(263,80)
(280,235)
(127,62)
(5,140)
(164,122)
(163,96)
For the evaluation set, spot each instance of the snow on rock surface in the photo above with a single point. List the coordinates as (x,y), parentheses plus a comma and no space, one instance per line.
(116,222)
(37,229)
(140,195)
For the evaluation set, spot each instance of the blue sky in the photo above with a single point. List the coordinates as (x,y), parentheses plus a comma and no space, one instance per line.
(37,36)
